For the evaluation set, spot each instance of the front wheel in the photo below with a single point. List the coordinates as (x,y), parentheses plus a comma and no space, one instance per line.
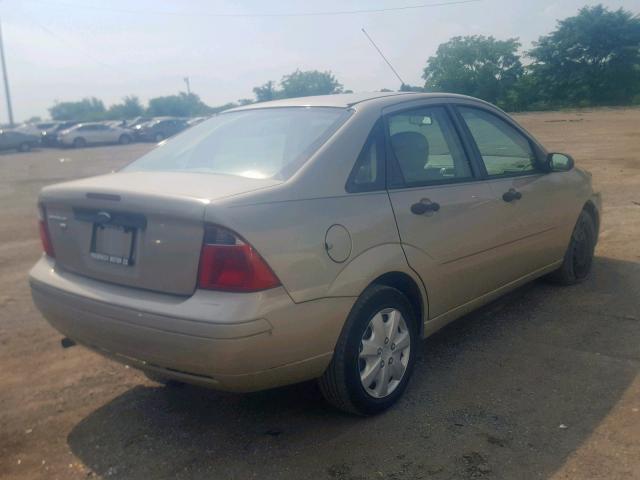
(374,356)
(578,258)
(24,147)
(124,140)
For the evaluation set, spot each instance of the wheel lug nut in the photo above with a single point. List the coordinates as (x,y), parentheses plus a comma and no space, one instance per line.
(390,361)
(393,346)
(386,340)
(382,363)
(379,351)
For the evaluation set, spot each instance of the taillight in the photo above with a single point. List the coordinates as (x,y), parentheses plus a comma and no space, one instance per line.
(230,264)
(45,238)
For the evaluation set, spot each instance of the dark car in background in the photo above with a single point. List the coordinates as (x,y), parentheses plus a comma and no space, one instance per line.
(137,121)
(159,129)
(49,136)
(23,142)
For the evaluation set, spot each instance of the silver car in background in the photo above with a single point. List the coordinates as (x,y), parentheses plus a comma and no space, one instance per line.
(84,134)
(317,237)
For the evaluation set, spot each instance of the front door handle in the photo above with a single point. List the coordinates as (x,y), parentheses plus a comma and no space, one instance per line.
(511,195)
(423,206)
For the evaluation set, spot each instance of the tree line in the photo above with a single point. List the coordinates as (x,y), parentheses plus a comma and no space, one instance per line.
(590,59)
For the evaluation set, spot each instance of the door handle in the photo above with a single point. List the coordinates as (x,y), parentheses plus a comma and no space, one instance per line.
(511,195)
(423,206)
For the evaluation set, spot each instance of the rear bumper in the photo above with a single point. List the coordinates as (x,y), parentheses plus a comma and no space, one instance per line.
(237,342)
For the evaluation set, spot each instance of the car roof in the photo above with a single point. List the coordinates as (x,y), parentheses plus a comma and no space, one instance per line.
(345,100)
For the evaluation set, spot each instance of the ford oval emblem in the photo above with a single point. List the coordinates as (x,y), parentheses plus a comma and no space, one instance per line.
(103,218)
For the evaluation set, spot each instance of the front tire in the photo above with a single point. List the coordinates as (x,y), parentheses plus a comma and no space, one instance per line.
(158,137)
(579,256)
(79,142)
(375,354)
(124,140)
(24,147)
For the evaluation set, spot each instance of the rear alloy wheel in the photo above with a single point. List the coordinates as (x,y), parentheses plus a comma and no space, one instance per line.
(374,356)
(24,147)
(124,139)
(79,142)
(579,256)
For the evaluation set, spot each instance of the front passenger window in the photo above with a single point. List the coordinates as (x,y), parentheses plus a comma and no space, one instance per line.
(426,147)
(504,150)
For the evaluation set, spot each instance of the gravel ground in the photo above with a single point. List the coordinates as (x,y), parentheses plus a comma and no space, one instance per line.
(541,384)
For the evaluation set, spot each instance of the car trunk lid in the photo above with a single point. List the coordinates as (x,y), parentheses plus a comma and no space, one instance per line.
(137,229)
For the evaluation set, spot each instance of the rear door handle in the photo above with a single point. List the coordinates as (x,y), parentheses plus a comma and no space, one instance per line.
(511,195)
(423,206)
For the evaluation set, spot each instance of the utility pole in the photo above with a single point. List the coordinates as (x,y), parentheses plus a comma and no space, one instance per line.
(186,80)
(7,93)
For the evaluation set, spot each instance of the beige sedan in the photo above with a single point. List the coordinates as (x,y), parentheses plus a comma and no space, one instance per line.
(318,237)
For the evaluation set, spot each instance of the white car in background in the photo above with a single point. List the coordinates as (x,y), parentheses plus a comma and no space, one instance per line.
(85,134)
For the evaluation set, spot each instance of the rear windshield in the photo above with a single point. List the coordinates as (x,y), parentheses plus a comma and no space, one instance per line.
(261,143)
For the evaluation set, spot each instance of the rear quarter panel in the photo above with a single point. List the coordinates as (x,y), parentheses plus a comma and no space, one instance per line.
(290,235)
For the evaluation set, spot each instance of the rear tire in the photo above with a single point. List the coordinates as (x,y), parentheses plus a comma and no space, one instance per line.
(124,140)
(578,258)
(79,142)
(24,147)
(354,382)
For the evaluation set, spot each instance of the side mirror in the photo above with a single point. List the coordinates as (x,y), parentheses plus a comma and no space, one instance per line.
(559,162)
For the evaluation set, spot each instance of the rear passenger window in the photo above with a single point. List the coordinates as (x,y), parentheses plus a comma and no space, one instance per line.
(426,148)
(504,150)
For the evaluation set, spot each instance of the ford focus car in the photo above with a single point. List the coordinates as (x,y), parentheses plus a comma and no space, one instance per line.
(311,238)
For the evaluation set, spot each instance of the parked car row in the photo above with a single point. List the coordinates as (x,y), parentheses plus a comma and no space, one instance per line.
(81,134)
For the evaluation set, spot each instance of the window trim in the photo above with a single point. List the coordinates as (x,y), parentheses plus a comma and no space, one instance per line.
(539,169)
(392,162)
(376,133)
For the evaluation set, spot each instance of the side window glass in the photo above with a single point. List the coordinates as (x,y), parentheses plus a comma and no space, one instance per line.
(368,172)
(504,150)
(426,147)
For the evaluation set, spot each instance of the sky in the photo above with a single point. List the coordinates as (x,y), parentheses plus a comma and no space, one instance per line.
(69,49)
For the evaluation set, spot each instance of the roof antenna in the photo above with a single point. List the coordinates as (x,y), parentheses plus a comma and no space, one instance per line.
(382,55)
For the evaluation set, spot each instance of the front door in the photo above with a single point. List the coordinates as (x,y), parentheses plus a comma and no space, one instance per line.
(531,199)
(449,221)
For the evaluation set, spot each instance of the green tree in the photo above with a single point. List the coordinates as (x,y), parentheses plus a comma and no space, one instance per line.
(129,108)
(299,84)
(476,65)
(592,58)
(311,82)
(266,92)
(85,110)
(405,87)
(181,105)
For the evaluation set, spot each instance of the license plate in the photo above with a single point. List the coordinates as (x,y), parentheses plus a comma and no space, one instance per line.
(113,244)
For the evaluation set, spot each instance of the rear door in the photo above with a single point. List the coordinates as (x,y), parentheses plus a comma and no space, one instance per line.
(446,216)
(531,198)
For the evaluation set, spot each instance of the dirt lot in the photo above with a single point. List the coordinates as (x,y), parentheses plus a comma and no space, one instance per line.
(542,384)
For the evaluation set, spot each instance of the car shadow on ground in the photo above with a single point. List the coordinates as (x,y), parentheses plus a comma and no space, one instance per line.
(506,392)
